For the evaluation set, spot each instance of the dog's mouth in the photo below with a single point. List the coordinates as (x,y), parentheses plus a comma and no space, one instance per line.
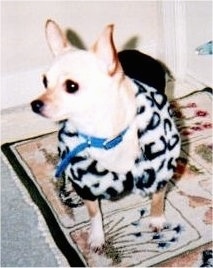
(39,107)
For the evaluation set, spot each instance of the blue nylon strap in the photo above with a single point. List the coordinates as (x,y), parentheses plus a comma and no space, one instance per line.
(93,141)
(90,142)
(103,143)
(65,162)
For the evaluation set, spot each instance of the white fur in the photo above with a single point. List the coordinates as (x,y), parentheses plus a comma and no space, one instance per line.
(157,223)
(105,103)
(96,236)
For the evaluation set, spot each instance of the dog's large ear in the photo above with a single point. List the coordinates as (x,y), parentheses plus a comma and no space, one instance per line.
(105,49)
(56,39)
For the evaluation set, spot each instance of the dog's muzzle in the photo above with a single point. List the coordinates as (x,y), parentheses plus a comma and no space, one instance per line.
(37,106)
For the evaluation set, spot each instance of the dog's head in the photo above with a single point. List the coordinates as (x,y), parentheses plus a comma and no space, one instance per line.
(79,82)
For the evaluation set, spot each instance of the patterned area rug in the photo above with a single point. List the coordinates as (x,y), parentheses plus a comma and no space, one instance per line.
(186,241)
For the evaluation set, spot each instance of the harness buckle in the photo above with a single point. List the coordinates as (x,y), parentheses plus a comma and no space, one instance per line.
(89,142)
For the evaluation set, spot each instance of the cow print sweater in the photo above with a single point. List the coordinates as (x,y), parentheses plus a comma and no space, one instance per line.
(153,168)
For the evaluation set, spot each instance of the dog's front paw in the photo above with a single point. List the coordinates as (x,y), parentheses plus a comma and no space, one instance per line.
(96,241)
(157,224)
(96,237)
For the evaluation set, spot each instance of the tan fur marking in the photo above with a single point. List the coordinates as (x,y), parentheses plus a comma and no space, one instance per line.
(92,207)
(157,205)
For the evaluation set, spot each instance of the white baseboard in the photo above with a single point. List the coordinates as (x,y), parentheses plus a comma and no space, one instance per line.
(186,86)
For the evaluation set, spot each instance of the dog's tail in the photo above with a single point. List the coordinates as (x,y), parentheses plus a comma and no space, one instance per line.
(146,69)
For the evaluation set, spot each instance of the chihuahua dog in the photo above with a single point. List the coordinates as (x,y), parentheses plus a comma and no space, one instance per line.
(116,133)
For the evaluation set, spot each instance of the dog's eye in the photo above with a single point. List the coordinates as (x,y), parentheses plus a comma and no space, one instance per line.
(71,87)
(45,81)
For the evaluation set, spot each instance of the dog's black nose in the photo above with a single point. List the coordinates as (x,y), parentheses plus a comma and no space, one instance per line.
(37,106)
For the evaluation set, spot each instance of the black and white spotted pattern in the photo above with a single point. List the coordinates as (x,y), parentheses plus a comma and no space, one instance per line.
(160,147)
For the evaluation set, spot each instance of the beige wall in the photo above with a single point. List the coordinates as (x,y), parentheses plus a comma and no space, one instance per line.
(169,30)
(24,50)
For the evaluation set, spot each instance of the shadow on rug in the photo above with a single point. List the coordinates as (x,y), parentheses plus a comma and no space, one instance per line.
(129,241)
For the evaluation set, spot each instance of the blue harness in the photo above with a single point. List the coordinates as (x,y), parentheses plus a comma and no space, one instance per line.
(90,141)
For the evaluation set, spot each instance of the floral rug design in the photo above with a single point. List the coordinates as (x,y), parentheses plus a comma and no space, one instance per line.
(129,241)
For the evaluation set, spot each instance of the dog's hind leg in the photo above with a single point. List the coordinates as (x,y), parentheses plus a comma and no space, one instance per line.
(158,220)
(96,236)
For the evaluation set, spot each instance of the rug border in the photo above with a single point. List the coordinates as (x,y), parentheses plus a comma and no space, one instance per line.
(188,252)
(57,234)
